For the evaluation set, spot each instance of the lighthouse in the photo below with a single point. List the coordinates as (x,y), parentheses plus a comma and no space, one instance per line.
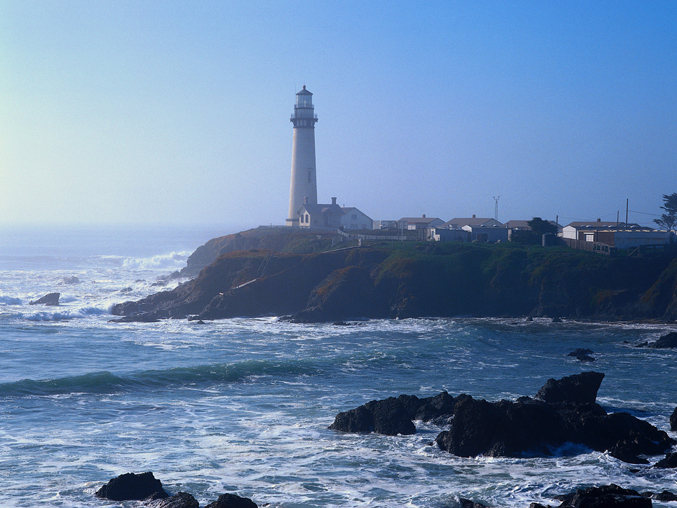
(303,188)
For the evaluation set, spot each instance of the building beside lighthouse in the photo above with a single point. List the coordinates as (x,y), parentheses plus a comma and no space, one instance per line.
(303,187)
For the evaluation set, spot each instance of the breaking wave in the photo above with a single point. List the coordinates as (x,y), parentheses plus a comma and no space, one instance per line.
(171,261)
(9,300)
(202,375)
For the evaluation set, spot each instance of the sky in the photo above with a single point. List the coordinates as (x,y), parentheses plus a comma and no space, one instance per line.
(146,112)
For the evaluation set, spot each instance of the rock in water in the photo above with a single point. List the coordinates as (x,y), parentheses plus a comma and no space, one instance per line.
(51,299)
(581,388)
(607,496)
(394,416)
(666,341)
(533,427)
(469,503)
(178,500)
(670,461)
(131,486)
(232,501)
(673,420)
(582,355)
(389,417)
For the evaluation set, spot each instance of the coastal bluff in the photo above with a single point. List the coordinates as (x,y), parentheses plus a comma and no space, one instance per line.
(297,274)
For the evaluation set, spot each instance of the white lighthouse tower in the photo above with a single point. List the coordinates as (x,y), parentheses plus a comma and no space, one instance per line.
(303,188)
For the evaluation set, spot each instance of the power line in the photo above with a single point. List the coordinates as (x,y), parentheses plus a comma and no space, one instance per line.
(645,213)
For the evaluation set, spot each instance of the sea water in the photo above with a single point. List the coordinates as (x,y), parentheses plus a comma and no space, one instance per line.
(243,405)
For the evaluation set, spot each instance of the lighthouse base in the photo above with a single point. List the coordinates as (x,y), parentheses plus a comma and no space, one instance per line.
(293,222)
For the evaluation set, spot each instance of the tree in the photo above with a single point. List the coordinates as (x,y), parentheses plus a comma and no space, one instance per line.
(669,219)
(538,227)
(541,227)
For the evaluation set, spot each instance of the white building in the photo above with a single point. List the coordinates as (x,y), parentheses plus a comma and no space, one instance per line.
(303,187)
(412,223)
(355,219)
(577,230)
(487,233)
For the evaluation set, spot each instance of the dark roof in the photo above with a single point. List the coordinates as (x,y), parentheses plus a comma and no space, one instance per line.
(518,224)
(469,221)
(322,208)
(418,220)
(304,91)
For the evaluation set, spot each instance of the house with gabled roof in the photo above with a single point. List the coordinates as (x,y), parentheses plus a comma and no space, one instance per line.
(355,219)
(458,223)
(320,216)
(423,222)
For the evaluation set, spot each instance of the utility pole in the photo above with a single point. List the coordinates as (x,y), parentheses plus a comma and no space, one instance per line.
(496,198)
(627,200)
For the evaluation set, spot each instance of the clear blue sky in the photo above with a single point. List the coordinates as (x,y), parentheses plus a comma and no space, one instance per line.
(115,111)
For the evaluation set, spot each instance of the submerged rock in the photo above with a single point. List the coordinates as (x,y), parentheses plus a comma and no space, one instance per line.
(670,461)
(582,355)
(50,299)
(667,341)
(666,495)
(132,486)
(607,496)
(178,500)
(232,501)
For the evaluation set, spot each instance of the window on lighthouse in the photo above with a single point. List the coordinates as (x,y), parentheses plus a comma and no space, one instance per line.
(304,101)
(310,176)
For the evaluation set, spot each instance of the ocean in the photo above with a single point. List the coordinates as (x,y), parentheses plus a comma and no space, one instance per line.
(243,405)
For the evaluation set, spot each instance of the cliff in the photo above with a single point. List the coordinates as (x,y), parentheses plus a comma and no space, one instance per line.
(414,280)
(275,239)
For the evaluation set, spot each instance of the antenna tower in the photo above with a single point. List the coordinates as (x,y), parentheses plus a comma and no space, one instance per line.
(496,198)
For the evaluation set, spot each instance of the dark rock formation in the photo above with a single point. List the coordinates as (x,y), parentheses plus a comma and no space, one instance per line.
(138,317)
(394,416)
(581,388)
(666,341)
(468,503)
(132,486)
(389,417)
(670,461)
(232,501)
(535,427)
(607,496)
(567,413)
(673,420)
(50,299)
(582,355)
(666,495)
(178,500)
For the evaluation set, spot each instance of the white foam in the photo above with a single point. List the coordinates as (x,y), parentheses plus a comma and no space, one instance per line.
(9,300)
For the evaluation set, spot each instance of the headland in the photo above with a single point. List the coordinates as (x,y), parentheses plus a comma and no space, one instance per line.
(314,277)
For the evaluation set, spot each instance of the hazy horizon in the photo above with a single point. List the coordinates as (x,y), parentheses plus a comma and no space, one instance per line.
(175,113)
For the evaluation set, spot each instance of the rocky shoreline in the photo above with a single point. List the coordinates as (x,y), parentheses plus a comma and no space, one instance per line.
(419,280)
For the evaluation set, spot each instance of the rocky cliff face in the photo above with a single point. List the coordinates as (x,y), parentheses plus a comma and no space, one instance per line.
(420,280)
(274,239)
